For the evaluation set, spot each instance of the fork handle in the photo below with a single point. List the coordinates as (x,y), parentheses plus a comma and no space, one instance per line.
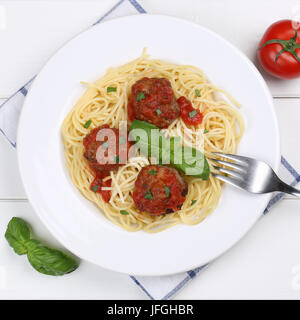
(283,187)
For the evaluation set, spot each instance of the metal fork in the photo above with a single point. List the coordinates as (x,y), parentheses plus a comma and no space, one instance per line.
(252,175)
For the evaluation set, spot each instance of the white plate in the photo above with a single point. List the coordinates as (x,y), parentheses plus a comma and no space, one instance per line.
(75,221)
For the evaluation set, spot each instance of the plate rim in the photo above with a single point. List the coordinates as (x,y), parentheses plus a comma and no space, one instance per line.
(31,89)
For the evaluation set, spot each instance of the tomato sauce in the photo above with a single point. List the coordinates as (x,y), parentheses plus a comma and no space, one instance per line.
(96,186)
(188,113)
(91,137)
(101,170)
(153,100)
(130,111)
(150,190)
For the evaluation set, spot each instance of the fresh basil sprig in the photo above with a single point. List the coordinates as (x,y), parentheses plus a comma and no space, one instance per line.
(153,143)
(43,259)
(17,234)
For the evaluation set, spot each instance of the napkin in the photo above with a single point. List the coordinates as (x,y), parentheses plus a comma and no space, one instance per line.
(158,288)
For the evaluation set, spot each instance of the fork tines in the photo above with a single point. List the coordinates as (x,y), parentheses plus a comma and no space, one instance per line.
(239,167)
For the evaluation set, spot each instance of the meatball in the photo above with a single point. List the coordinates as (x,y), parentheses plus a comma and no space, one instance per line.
(114,161)
(159,190)
(153,100)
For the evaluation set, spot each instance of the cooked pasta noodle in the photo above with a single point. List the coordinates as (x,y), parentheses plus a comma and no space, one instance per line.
(221,130)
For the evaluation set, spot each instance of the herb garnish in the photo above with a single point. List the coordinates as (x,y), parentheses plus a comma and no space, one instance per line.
(87,124)
(192,113)
(117,158)
(198,94)
(140,96)
(158,112)
(95,188)
(148,195)
(193,202)
(124,212)
(205,131)
(153,172)
(111,89)
(167,191)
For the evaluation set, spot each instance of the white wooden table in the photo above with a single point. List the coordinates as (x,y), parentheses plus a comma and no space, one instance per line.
(264,264)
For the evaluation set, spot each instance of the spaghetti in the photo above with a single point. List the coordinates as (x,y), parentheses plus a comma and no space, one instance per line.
(220,131)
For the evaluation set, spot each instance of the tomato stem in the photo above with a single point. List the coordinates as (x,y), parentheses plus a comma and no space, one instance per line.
(287,46)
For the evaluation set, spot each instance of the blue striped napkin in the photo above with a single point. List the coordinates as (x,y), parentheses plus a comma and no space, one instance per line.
(159,288)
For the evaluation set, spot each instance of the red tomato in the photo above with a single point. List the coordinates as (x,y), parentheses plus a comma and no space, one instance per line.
(279,50)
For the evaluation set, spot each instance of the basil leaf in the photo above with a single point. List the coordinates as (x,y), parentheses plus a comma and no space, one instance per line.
(188,160)
(111,89)
(124,212)
(140,132)
(197,93)
(205,131)
(150,140)
(193,202)
(32,244)
(50,261)
(43,259)
(17,234)
(140,96)
(87,124)
(153,172)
